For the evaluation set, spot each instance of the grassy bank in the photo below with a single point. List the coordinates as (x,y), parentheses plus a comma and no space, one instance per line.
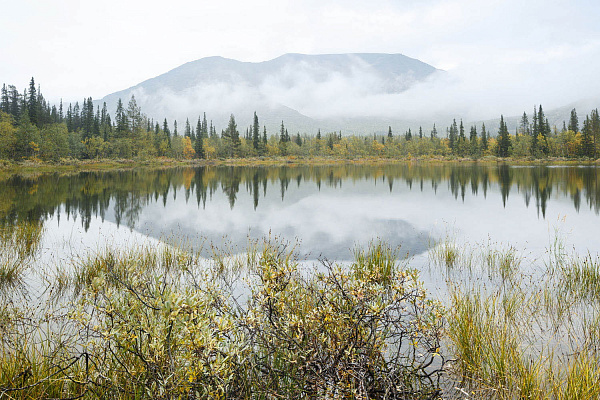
(74,165)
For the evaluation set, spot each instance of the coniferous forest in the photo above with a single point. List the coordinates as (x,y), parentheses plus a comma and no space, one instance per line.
(33,129)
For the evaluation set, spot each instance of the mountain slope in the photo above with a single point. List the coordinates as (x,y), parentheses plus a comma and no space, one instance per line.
(303,90)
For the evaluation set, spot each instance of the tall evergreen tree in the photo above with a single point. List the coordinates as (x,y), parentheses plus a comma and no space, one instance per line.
(232,134)
(205,126)
(134,116)
(199,128)
(61,115)
(96,126)
(199,143)
(282,134)
(574,121)
(503,139)
(390,131)
(32,105)
(595,127)
(188,129)
(473,140)
(524,128)
(434,132)
(76,117)
(15,101)
(4,102)
(255,133)
(264,137)
(120,120)
(587,139)
(484,138)
(453,136)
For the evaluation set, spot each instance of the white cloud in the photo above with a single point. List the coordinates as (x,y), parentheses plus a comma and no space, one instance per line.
(500,53)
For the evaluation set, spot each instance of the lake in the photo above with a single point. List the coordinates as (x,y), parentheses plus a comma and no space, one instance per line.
(327,210)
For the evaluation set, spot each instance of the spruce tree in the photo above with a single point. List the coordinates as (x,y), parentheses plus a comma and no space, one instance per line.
(205,126)
(390,132)
(574,122)
(484,138)
(587,140)
(61,115)
(188,129)
(255,133)
(452,136)
(595,127)
(121,120)
(199,144)
(4,102)
(199,129)
(503,139)
(32,105)
(15,101)
(282,133)
(524,128)
(434,132)
(96,126)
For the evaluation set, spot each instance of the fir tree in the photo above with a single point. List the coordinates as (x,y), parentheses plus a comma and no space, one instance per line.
(390,132)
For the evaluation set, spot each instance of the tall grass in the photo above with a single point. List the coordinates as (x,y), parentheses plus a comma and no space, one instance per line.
(519,335)
(19,245)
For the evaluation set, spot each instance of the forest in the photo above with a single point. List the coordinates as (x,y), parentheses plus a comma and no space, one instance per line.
(33,129)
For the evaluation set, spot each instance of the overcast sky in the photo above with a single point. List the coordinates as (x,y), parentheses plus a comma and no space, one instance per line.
(79,48)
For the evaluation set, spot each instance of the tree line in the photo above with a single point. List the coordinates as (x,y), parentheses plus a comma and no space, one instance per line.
(31,128)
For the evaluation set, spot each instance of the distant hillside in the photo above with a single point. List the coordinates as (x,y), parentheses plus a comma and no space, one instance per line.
(296,88)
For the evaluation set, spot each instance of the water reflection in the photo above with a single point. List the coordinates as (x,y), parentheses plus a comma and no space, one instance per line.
(156,200)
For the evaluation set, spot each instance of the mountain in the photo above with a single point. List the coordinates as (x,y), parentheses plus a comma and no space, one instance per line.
(308,92)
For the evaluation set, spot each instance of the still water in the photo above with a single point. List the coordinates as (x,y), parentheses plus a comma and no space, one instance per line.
(326,210)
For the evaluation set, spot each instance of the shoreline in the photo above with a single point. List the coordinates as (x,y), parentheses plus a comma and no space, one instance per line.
(75,166)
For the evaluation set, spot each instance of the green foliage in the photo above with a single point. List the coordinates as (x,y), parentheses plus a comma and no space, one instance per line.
(158,323)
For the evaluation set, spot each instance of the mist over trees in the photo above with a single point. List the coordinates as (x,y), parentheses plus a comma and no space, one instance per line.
(31,128)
